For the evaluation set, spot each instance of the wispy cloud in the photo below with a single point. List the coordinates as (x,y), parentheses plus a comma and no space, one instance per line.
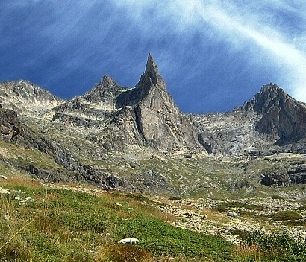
(213,53)
(241,24)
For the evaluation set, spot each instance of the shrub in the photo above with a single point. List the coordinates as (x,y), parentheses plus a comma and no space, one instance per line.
(286,215)
(174,198)
(123,253)
(277,246)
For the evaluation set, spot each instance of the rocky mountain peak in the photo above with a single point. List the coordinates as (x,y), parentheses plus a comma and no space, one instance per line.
(271,88)
(25,90)
(152,69)
(105,91)
(151,76)
(153,112)
(282,116)
(151,87)
(107,82)
(26,98)
(269,96)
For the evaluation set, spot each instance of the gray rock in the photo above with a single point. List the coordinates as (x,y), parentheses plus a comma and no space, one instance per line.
(282,116)
(10,125)
(232,214)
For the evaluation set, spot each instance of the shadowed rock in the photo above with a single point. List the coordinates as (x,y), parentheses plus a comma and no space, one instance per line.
(282,116)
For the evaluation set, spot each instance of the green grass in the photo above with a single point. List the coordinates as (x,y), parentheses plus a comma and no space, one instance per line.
(162,239)
(225,206)
(276,246)
(65,225)
(62,225)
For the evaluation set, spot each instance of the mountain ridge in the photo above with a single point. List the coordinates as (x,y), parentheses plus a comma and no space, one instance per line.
(156,121)
(110,123)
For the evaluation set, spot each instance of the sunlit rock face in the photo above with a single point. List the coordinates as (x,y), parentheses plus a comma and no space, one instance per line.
(27,98)
(272,121)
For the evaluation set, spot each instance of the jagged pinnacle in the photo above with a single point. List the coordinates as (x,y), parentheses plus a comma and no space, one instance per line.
(151,74)
(107,81)
(151,66)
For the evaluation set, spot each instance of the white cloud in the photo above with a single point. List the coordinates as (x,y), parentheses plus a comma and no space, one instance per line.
(240,24)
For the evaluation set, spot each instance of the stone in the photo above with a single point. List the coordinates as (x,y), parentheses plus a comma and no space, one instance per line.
(129,240)
(158,122)
(10,126)
(4,191)
(232,214)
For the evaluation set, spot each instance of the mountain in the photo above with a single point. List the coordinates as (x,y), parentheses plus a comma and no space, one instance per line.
(153,112)
(282,116)
(122,162)
(105,93)
(145,115)
(135,138)
(271,120)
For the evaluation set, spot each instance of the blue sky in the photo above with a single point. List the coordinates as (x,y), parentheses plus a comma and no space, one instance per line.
(214,55)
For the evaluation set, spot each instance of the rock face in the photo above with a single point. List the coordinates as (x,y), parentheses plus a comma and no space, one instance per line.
(9,124)
(271,121)
(105,93)
(294,175)
(282,116)
(231,133)
(157,119)
(102,98)
(26,98)
(150,90)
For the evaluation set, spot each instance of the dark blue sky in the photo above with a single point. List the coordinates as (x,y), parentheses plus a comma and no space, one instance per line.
(214,55)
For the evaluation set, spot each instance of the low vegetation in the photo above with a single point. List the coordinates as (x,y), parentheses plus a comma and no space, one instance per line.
(274,247)
(80,223)
(42,224)
(286,215)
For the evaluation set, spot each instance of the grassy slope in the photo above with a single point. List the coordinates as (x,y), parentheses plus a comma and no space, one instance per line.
(63,225)
(85,224)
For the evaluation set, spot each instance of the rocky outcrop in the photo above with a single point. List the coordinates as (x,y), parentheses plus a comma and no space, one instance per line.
(282,116)
(100,99)
(75,120)
(231,133)
(271,121)
(150,88)
(25,90)
(105,93)
(295,174)
(27,98)
(145,115)
(9,124)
